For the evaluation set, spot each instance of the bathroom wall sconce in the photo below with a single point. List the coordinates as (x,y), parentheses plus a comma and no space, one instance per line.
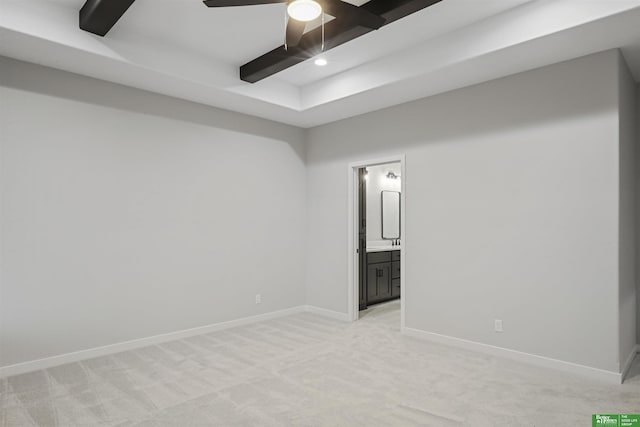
(392,175)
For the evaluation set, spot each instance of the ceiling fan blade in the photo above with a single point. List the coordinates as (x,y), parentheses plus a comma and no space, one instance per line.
(227,3)
(344,10)
(295,30)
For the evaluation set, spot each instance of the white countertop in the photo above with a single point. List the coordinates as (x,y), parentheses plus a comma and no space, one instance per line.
(383,248)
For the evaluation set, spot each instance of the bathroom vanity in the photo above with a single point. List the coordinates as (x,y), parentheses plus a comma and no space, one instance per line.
(383,274)
(379,235)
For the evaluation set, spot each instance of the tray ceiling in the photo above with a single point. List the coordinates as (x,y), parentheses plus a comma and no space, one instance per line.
(182,48)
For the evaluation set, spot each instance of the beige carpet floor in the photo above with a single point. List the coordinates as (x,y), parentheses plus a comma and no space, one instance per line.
(307,370)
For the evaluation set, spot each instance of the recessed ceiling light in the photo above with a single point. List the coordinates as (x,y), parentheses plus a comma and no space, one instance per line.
(321,62)
(304,10)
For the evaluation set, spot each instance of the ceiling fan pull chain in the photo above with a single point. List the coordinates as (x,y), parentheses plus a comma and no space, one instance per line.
(322,31)
(286,20)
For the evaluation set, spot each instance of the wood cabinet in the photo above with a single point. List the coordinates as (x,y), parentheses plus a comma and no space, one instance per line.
(383,276)
(378,282)
(395,278)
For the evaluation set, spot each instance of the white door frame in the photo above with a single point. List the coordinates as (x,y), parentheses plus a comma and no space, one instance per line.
(353,256)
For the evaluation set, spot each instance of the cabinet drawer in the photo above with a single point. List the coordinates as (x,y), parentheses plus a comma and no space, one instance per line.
(395,287)
(395,270)
(373,257)
(395,256)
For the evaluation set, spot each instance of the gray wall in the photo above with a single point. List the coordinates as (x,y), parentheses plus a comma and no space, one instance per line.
(127,214)
(511,203)
(628,216)
(638,213)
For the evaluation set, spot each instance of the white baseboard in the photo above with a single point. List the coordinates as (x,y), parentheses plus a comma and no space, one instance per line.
(541,361)
(35,365)
(627,364)
(49,362)
(327,313)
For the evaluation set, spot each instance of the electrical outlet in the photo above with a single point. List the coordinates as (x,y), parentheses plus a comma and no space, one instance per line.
(497,325)
(258,299)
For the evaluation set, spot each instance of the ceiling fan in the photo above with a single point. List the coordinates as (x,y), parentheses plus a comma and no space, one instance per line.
(300,12)
(351,22)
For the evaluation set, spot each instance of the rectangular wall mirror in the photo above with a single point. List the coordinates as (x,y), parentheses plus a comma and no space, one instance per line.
(390,215)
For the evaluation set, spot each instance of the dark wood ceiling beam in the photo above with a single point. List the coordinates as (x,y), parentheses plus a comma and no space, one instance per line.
(337,32)
(339,8)
(99,16)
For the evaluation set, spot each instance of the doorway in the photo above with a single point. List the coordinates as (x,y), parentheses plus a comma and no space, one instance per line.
(377,234)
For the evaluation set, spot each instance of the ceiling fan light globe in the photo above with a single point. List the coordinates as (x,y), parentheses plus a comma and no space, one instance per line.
(304,10)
